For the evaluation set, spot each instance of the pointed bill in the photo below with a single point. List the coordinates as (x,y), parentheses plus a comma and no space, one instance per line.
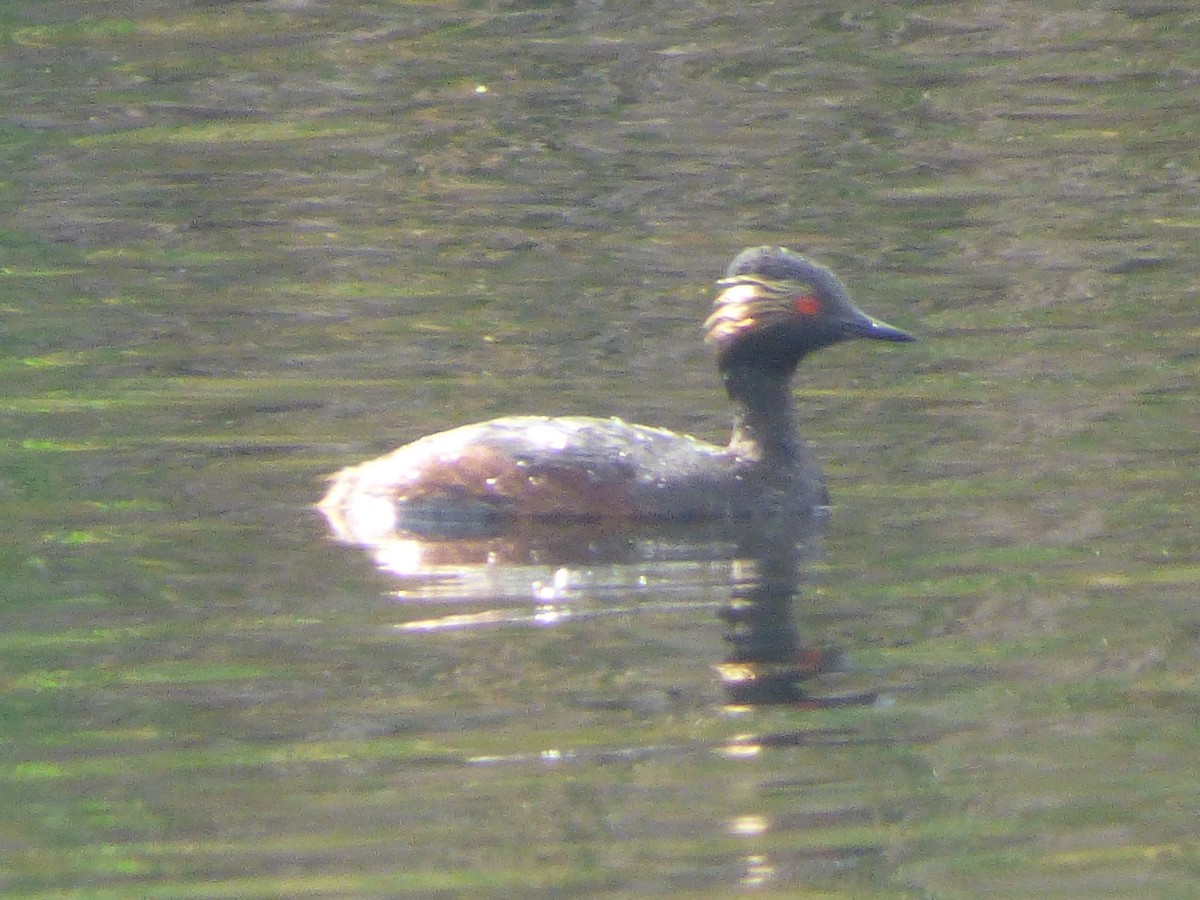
(864,326)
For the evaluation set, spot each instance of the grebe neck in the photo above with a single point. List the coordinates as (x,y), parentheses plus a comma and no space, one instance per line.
(764,418)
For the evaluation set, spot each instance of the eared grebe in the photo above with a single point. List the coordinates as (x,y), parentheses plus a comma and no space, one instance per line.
(773,308)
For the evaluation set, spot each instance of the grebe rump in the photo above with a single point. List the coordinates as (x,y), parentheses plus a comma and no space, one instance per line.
(773,308)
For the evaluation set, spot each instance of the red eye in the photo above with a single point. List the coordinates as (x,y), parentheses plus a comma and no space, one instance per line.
(806,304)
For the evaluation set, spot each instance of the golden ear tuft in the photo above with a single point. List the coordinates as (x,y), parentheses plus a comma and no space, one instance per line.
(747,303)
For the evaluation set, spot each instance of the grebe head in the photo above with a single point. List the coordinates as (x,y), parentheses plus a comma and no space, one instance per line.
(776,306)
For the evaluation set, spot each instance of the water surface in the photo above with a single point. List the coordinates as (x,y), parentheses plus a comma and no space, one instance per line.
(244,245)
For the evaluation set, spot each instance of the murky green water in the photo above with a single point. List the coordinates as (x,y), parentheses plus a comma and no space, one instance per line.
(245,244)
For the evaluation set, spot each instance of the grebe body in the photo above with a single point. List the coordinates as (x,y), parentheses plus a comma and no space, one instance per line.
(773,307)
(563,467)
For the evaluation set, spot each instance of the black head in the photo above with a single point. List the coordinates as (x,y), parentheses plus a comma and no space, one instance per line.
(776,306)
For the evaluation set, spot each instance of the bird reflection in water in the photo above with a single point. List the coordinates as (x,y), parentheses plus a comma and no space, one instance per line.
(751,575)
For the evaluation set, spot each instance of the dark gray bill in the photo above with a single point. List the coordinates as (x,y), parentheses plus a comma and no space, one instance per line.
(864,326)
